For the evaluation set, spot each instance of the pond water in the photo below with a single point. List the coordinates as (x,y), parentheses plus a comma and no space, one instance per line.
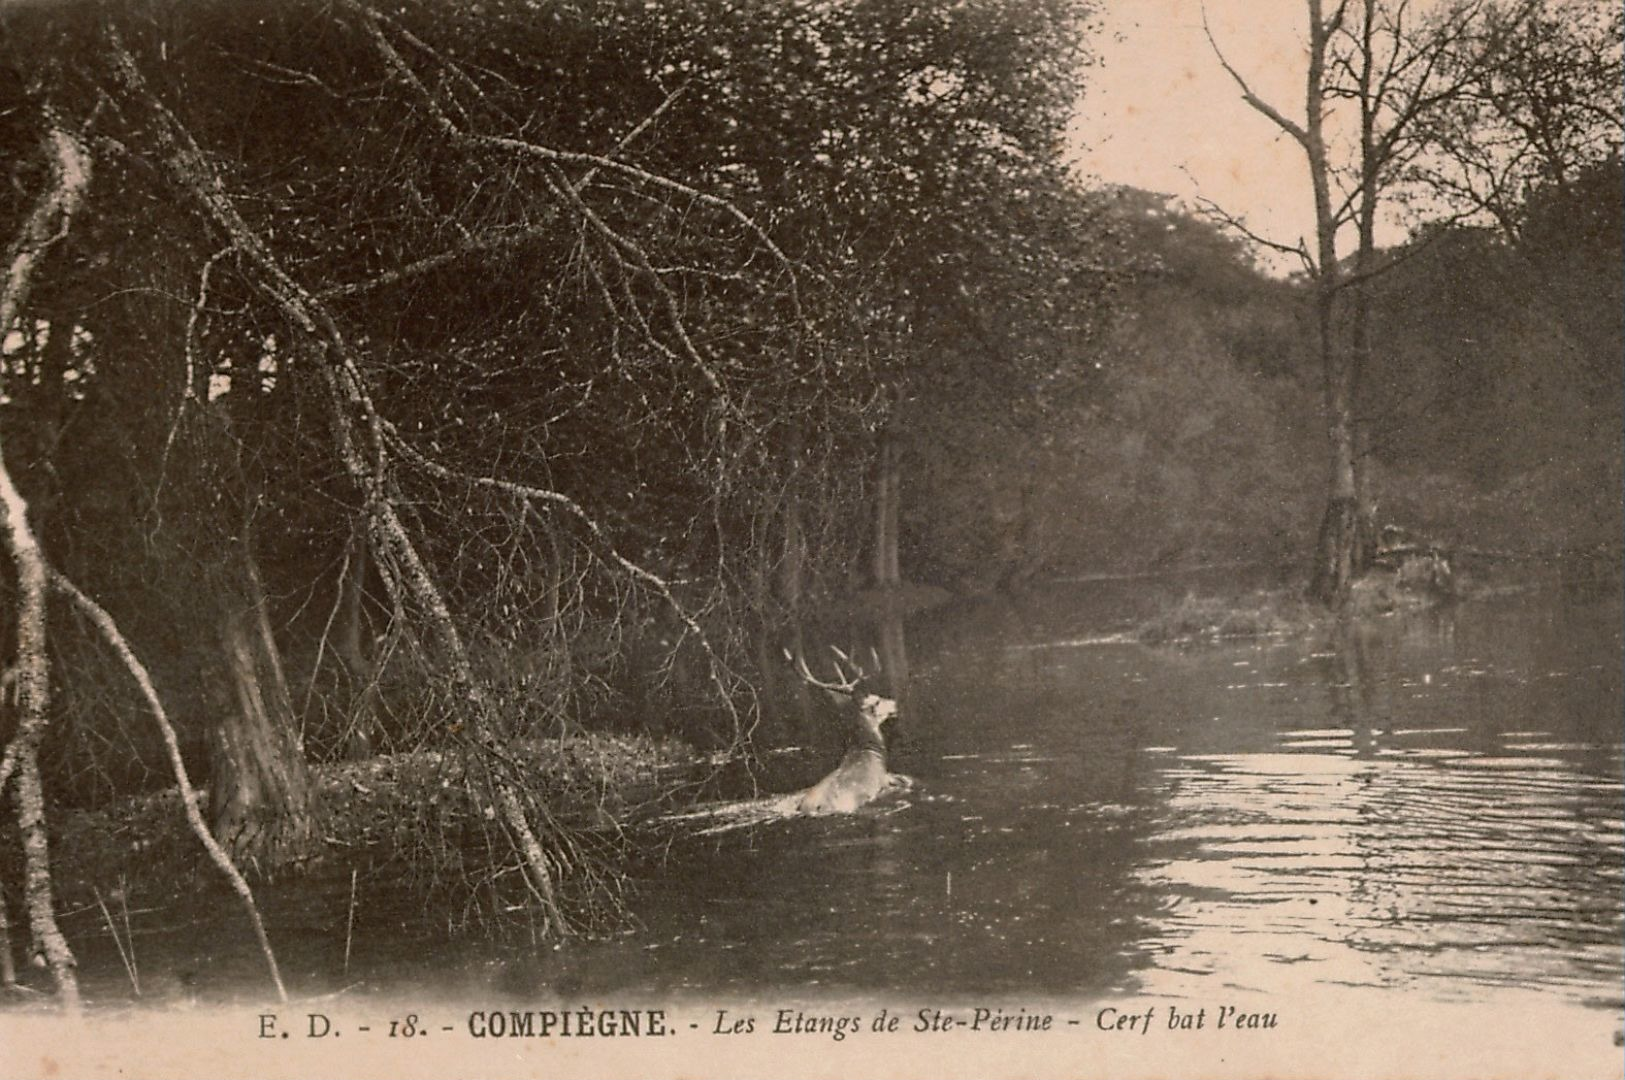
(1433,804)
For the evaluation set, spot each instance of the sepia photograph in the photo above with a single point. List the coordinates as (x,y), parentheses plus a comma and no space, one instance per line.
(812,538)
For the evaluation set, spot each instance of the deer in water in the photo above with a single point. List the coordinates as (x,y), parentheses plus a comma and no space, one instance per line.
(861,776)
(859,779)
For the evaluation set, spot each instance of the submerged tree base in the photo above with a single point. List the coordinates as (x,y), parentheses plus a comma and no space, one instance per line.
(1412,578)
(1285,613)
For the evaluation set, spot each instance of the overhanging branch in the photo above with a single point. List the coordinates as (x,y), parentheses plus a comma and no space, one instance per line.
(1280,119)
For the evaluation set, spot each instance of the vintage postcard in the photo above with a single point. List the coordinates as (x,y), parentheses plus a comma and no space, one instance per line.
(812,538)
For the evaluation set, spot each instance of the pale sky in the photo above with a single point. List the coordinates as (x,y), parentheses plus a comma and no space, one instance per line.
(1161,113)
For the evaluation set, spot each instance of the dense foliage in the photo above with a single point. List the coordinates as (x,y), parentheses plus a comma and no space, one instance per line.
(668,262)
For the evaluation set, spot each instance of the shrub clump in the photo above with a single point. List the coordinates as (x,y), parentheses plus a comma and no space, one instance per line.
(394,807)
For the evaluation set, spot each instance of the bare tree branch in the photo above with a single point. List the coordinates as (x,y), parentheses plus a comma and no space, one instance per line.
(593,162)
(661,587)
(1279,118)
(1300,251)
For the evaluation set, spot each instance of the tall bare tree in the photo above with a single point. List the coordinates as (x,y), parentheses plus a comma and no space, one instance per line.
(1376,72)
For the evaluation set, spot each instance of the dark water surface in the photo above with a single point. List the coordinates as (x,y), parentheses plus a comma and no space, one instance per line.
(1433,804)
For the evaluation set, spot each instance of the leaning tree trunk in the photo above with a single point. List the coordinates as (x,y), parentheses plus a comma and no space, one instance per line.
(262,804)
(22,753)
(47,223)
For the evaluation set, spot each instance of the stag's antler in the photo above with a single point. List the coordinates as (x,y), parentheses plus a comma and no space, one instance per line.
(841,658)
(847,684)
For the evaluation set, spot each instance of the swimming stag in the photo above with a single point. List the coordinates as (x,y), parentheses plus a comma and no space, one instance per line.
(859,779)
(861,776)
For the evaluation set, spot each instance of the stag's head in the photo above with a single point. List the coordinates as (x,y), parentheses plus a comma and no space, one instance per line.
(851,692)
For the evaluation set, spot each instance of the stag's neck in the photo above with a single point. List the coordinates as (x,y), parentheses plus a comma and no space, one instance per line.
(869,743)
